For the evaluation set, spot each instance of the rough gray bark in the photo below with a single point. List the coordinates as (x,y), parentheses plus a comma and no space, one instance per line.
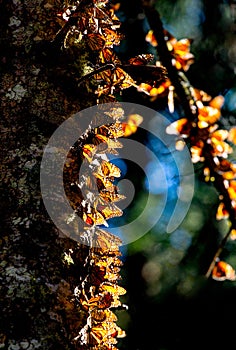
(38,92)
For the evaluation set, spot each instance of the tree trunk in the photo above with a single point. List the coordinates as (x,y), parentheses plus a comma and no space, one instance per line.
(38,92)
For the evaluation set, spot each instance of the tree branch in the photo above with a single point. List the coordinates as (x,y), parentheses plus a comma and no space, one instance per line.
(155,22)
(166,59)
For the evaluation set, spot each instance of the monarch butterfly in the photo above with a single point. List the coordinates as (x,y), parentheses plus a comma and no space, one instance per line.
(111,37)
(200,95)
(99,334)
(104,75)
(150,38)
(91,183)
(104,184)
(104,16)
(197,156)
(233,234)
(116,76)
(106,242)
(180,47)
(112,277)
(98,138)
(109,169)
(179,127)
(112,288)
(112,130)
(207,115)
(103,315)
(226,165)
(106,144)
(113,261)
(222,213)
(115,6)
(109,212)
(111,196)
(95,218)
(227,169)
(232,189)
(88,151)
(142,59)
(70,11)
(106,55)
(116,113)
(232,135)
(220,147)
(103,130)
(107,263)
(102,301)
(95,41)
(131,126)
(96,275)
(223,271)
(122,78)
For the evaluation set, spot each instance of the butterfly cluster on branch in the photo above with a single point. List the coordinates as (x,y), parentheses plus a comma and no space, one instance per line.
(94,195)
(89,185)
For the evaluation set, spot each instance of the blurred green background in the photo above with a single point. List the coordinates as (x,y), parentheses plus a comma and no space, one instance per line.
(171,304)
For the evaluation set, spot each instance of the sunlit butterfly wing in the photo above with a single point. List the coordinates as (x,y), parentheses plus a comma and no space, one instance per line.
(200,95)
(223,271)
(116,113)
(111,37)
(112,277)
(114,261)
(109,169)
(113,289)
(94,218)
(105,300)
(98,139)
(95,41)
(96,335)
(102,301)
(106,184)
(232,135)
(222,213)
(88,152)
(150,38)
(233,234)
(232,190)
(109,212)
(179,127)
(107,55)
(105,75)
(99,315)
(105,242)
(131,126)
(111,196)
(112,130)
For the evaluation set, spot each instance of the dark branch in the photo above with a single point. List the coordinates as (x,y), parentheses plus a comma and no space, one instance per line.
(155,23)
